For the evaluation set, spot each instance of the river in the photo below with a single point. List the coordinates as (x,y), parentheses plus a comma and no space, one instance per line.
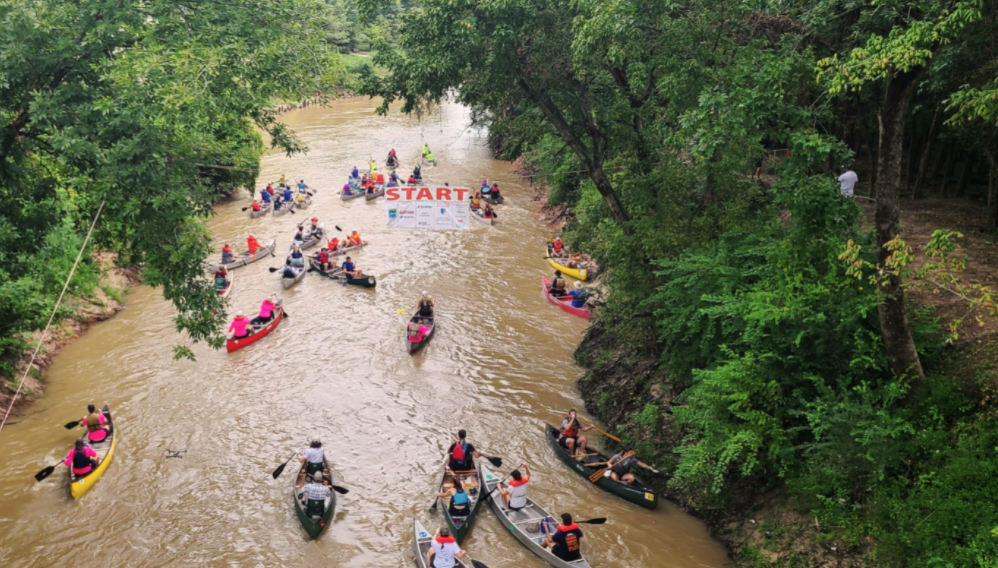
(500,366)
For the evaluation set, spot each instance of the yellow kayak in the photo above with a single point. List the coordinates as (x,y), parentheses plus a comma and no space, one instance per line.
(105,450)
(578,273)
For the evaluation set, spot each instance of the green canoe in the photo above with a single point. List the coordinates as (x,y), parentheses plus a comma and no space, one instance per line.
(313,524)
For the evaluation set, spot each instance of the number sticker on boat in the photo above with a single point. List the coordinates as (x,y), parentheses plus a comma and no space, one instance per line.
(649,496)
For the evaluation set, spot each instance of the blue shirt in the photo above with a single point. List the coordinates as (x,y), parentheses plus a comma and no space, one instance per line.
(348,266)
(460,498)
(578,298)
(301,187)
(355,173)
(287,195)
(265,196)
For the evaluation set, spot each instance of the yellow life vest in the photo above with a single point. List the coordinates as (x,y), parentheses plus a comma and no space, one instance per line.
(93,422)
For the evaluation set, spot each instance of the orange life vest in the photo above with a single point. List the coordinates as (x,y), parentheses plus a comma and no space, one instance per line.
(572,431)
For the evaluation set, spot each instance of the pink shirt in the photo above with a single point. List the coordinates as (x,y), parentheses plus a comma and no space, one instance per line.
(266,308)
(99,435)
(239,325)
(87,451)
(423,330)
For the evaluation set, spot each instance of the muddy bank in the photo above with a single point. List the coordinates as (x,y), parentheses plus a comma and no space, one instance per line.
(106,301)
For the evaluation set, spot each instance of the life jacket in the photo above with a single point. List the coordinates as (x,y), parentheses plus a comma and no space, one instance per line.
(458,453)
(93,422)
(425,306)
(412,179)
(487,213)
(253,245)
(323,257)
(572,431)
(556,244)
(558,284)
(81,462)
(226,248)
(256,206)
(445,539)
(333,243)
(568,528)
(355,238)
(460,498)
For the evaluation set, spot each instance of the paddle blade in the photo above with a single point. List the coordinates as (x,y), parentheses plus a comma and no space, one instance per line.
(273,269)
(399,312)
(598,521)
(478,564)
(245,208)
(44,473)
(277,472)
(495,461)
(71,425)
(341,490)
(338,228)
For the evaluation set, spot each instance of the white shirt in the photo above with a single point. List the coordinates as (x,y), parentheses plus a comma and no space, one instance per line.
(314,455)
(518,496)
(848,182)
(444,553)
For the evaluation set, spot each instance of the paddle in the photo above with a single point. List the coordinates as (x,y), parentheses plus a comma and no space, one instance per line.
(597,475)
(596,521)
(277,472)
(340,490)
(71,425)
(46,472)
(593,426)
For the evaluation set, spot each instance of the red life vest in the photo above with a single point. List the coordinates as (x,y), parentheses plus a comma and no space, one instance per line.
(323,257)
(445,539)
(458,452)
(557,245)
(572,431)
(570,527)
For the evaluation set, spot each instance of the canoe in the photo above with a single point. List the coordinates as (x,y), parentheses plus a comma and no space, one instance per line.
(105,452)
(417,345)
(520,522)
(313,525)
(237,344)
(378,192)
(563,304)
(244,258)
(639,493)
(429,162)
(346,250)
(577,273)
(391,167)
(312,240)
(422,539)
(263,210)
(493,201)
(338,274)
(224,292)
(345,197)
(286,208)
(304,204)
(289,282)
(477,214)
(417,181)
(459,526)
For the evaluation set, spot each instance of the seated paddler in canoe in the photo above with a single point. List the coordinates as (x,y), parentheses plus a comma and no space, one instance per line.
(417,172)
(460,503)
(558,248)
(287,194)
(620,467)
(488,212)
(460,454)
(326,263)
(373,165)
(348,189)
(476,200)
(291,270)
(393,160)
(563,540)
(221,278)
(265,196)
(242,327)
(351,269)
(255,206)
(514,497)
(82,459)
(333,244)
(280,202)
(425,305)
(95,422)
(299,237)
(354,238)
(266,314)
(494,191)
(227,254)
(486,189)
(297,257)
(252,245)
(355,173)
(558,288)
(313,228)
(569,437)
(300,198)
(314,456)
(417,329)
(444,550)
(301,186)
(579,296)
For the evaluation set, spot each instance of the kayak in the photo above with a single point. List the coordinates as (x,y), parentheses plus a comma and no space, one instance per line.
(422,539)
(237,344)
(477,214)
(264,209)
(224,292)
(525,523)
(289,282)
(639,493)
(417,345)
(245,258)
(563,304)
(378,192)
(577,273)
(338,274)
(314,523)
(105,452)
(459,526)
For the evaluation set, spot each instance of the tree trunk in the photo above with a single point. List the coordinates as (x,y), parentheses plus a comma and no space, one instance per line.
(941,159)
(992,192)
(950,166)
(961,186)
(916,193)
(906,163)
(898,343)
(872,156)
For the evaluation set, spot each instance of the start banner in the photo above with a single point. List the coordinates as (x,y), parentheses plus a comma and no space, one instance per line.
(427,208)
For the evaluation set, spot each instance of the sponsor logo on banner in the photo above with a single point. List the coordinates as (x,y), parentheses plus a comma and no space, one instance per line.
(439,208)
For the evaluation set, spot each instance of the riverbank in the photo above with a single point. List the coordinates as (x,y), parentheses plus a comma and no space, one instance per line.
(105,302)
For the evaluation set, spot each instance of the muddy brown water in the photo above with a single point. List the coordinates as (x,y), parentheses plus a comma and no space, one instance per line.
(499,365)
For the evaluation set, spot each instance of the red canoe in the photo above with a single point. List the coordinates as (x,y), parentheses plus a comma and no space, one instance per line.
(565,305)
(237,344)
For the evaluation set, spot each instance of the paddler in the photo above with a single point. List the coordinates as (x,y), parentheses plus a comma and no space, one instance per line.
(239,324)
(314,495)
(82,459)
(495,192)
(266,311)
(425,306)
(392,178)
(347,189)
(256,206)
(426,150)
(381,179)
(221,278)
(558,286)
(288,195)
(485,188)
(290,270)
(459,501)
(374,166)
(429,157)
(488,212)
(459,454)
(351,269)
(333,244)
(411,180)
(94,423)
(354,238)
(476,200)
(355,173)
(417,172)
(299,237)
(557,247)
(315,456)
(569,437)
(574,260)
(314,230)
(227,254)
(252,244)
(443,550)
(297,257)
(416,330)
(322,258)
(265,196)
(278,202)
(301,186)
(300,199)
(578,296)
(515,498)
(620,467)
(564,540)
(282,179)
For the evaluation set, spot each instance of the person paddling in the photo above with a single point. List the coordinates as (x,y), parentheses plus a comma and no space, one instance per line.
(459,500)
(425,305)
(416,330)
(221,278)
(460,452)
(578,296)
(488,212)
(515,498)
(444,551)
(267,308)
(82,459)
(290,270)
(297,257)
(620,467)
(557,248)
(558,286)
(351,269)
(355,173)
(255,206)
(252,244)
(239,325)
(569,436)
(322,259)
(94,423)
(564,540)
(315,455)
(227,254)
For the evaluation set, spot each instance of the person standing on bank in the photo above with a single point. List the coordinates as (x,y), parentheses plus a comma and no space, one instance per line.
(847,182)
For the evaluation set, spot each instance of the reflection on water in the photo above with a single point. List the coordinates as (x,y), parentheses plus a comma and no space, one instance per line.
(499,365)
